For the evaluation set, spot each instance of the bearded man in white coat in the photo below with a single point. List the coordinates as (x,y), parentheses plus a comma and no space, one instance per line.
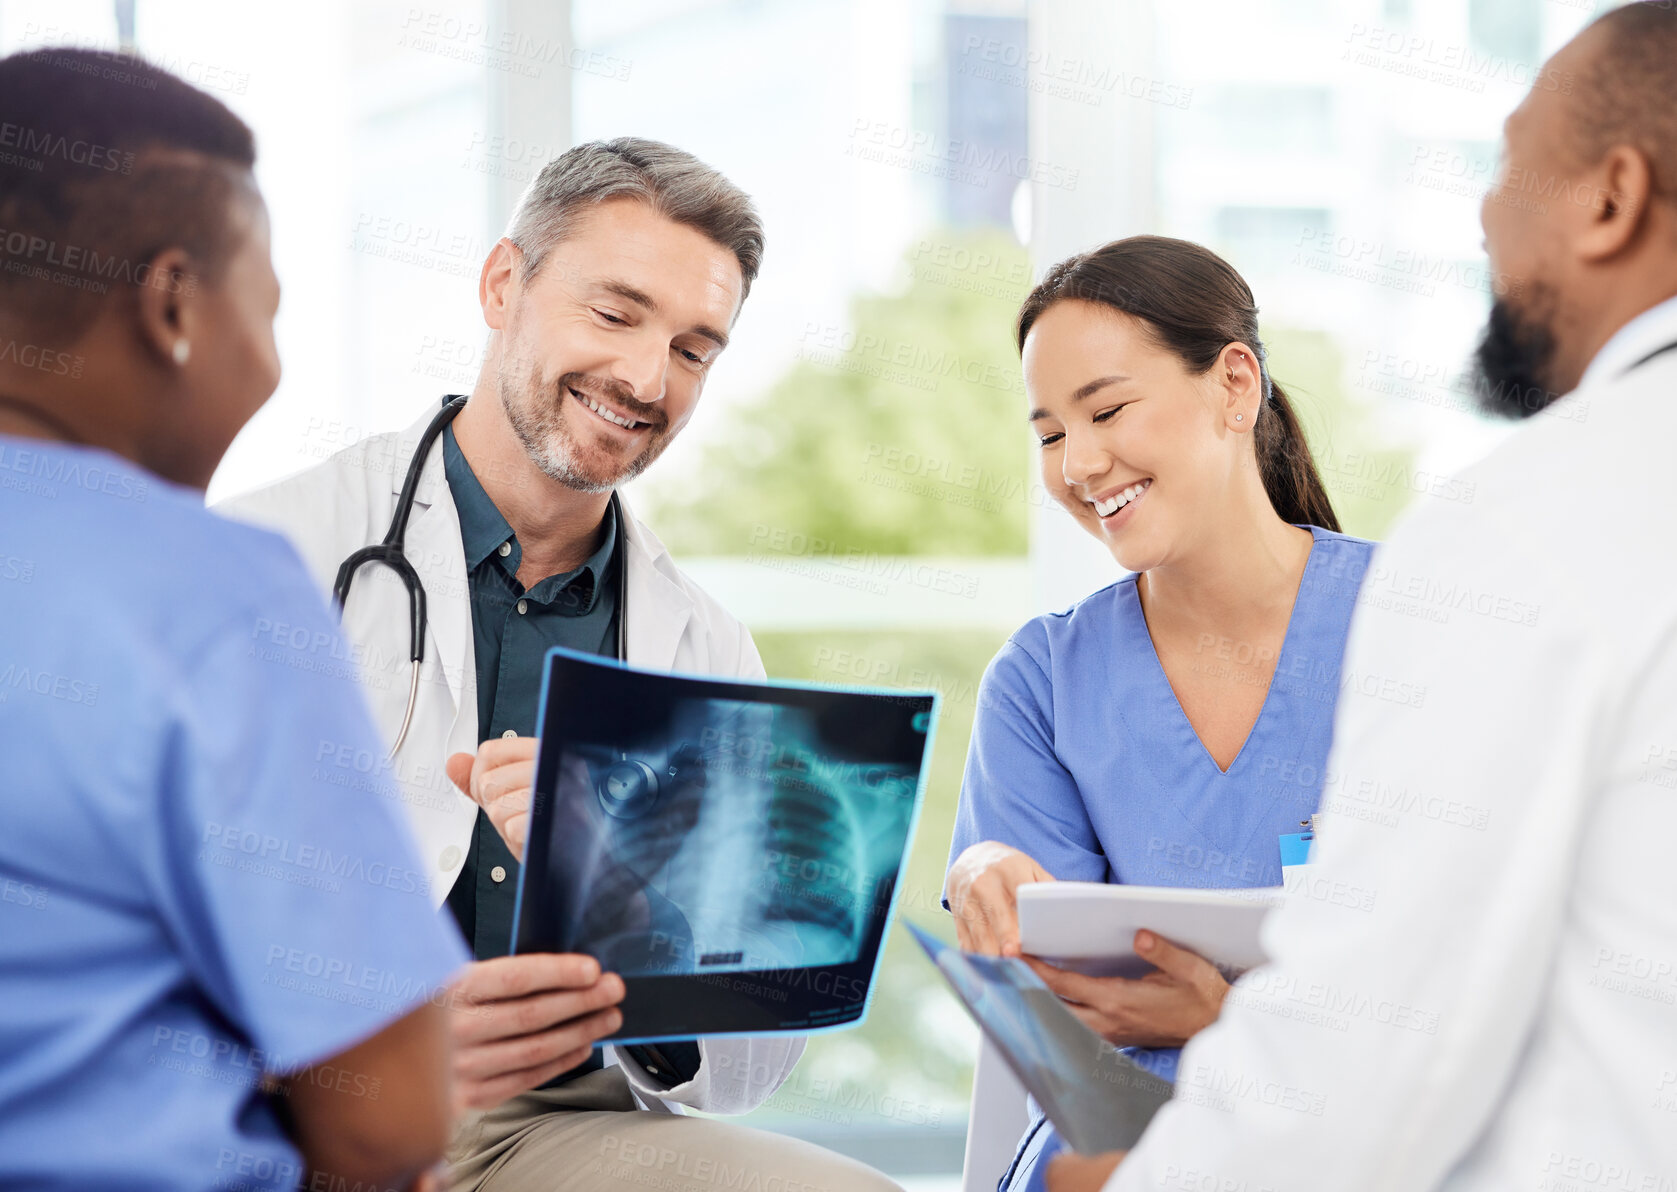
(1476,988)
(607,302)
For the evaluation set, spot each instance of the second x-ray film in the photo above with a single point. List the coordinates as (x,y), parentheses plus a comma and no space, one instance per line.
(732,849)
(1096,1096)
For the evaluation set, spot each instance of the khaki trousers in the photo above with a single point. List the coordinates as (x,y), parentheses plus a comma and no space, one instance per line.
(588,1135)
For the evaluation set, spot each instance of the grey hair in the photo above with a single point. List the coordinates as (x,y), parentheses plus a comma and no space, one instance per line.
(674,183)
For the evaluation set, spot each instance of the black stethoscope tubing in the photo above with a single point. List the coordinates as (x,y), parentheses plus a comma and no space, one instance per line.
(1654,355)
(390,553)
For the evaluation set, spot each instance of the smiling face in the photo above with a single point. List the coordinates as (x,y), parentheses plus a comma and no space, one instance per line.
(1133,445)
(604,352)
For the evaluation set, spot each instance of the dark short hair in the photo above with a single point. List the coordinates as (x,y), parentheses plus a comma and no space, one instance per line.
(1626,92)
(106,161)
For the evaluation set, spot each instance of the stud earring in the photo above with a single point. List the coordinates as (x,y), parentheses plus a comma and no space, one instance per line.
(1240,417)
(182,352)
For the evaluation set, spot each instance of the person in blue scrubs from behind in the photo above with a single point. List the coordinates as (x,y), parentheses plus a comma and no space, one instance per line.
(1171,728)
(218,963)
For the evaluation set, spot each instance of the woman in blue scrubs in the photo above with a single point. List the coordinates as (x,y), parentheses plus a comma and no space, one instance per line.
(1170,728)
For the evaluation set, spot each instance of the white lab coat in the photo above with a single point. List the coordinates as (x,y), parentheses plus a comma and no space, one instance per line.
(346,503)
(1476,988)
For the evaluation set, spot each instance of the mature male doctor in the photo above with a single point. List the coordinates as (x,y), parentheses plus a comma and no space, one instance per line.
(1478,988)
(608,300)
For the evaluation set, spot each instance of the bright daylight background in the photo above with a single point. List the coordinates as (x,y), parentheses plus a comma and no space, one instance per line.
(859,485)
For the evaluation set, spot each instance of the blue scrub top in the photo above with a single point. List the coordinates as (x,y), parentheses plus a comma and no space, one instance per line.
(205,873)
(1082,757)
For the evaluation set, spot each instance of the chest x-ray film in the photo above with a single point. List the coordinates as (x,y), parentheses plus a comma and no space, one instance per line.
(732,849)
(1096,1096)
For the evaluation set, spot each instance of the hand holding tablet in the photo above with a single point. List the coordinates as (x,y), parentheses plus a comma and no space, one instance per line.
(1090,927)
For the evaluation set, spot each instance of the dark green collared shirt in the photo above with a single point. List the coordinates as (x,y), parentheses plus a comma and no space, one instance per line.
(512,629)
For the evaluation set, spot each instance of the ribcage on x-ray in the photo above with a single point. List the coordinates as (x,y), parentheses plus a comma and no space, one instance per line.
(814,824)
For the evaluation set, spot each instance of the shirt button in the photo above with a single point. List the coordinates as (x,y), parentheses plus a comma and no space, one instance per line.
(504,549)
(511,732)
(523,606)
(498,874)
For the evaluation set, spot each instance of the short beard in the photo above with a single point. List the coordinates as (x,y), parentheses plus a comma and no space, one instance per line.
(542,430)
(1514,364)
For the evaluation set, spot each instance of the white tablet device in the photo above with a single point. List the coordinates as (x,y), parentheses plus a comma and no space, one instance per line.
(1090,927)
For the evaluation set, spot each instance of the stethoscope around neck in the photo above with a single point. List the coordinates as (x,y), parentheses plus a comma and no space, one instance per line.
(390,553)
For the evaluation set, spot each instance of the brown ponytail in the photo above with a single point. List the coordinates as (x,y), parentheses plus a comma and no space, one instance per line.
(1195,303)
(1284,462)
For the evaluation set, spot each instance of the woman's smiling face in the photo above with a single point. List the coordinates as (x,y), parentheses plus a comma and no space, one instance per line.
(1135,447)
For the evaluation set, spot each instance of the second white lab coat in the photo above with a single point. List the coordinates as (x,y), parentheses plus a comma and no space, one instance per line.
(346,503)
(1475,987)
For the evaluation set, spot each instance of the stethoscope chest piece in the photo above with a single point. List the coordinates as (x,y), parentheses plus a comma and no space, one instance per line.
(628,789)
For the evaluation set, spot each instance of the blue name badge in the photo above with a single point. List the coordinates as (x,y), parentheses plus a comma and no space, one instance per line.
(1295,848)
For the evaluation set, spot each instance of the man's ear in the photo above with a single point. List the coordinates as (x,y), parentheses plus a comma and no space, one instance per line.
(1620,189)
(171,322)
(497,285)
